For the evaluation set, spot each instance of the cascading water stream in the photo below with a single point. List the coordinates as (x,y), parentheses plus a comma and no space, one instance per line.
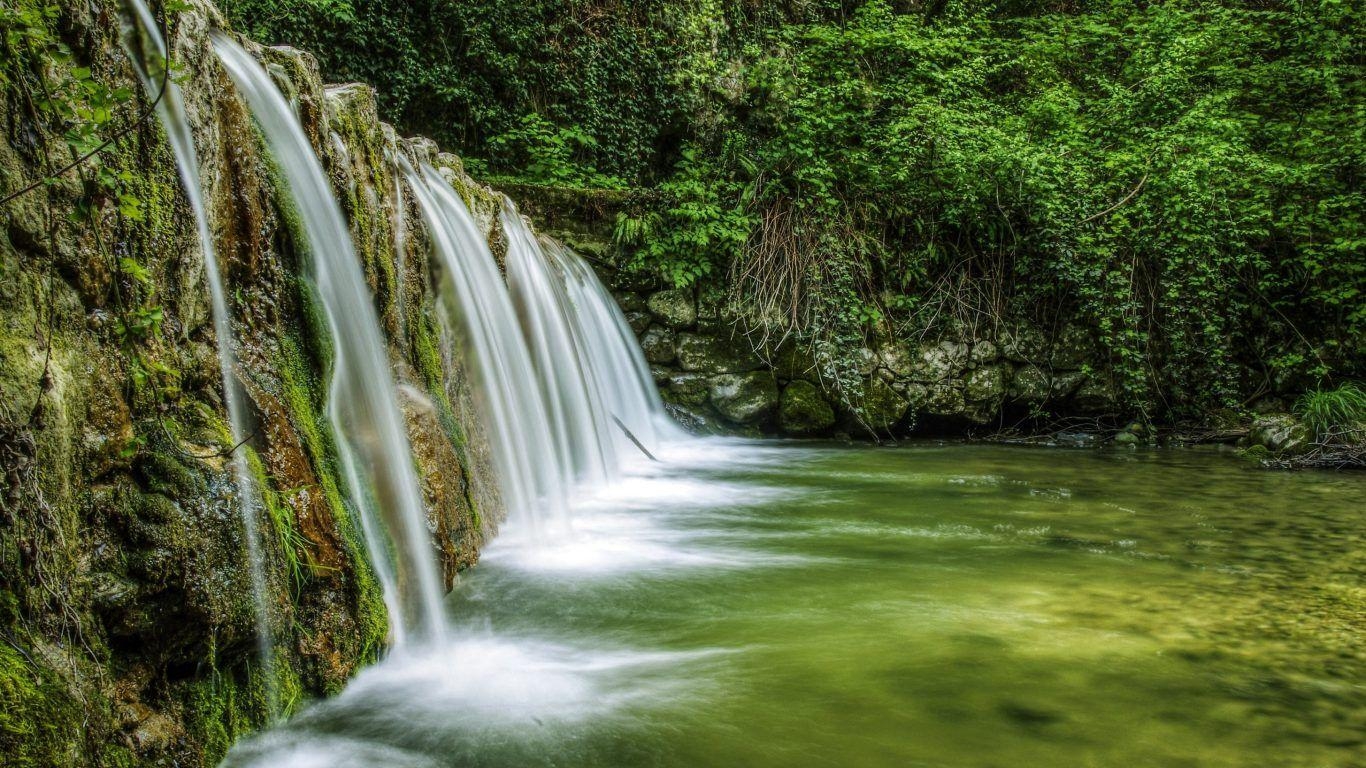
(587,357)
(610,351)
(580,425)
(532,472)
(149,55)
(362,404)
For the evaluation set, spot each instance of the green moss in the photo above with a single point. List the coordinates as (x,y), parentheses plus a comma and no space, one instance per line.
(40,720)
(221,708)
(283,524)
(303,398)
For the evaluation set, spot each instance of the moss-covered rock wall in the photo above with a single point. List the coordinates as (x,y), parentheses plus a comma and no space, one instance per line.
(127,626)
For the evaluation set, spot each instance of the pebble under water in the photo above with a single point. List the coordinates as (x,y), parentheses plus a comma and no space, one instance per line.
(784,604)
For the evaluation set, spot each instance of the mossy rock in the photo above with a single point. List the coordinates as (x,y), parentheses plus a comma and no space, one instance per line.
(745,399)
(803,411)
(674,308)
(716,354)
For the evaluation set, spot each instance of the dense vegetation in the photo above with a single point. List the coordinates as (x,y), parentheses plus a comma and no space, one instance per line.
(1184,177)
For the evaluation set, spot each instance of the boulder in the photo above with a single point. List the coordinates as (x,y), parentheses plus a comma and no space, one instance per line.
(882,407)
(716,354)
(940,363)
(1029,385)
(745,398)
(794,360)
(1095,396)
(895,359)
(687,388)
(984,352)
(804,411)
(1062,385)
(658,346)
(987,384)
(984,392)
(1279,433)
(673,308)
(944,400)
(639,321)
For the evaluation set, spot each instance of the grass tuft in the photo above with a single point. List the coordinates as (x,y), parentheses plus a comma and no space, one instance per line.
(1336,415)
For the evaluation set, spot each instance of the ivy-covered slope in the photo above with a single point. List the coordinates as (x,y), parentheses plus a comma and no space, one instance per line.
(1184,179)
(127,627)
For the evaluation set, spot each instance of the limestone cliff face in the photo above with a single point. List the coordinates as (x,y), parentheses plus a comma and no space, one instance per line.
(127,629)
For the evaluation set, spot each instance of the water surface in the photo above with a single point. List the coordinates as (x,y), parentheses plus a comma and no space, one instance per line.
(784,604)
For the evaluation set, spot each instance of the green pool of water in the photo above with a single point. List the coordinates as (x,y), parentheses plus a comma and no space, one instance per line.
(798,605)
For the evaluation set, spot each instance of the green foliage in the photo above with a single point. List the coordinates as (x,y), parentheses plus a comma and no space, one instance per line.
(697,229)
(551,155)
(1335,415)
(1185,177)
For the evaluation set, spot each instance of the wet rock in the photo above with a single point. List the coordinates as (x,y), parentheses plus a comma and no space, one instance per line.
(882,407)
(639,321)
(1279,433)
(747,398)
(716,354)
(629,301)
(658,346)
(673,308)
(687,388)
(804,411)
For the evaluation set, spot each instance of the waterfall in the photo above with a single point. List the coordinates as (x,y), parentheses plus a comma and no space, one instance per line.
(593,370)
(362,405)
(532,471)
(579,424)
(149,55)
(611,352)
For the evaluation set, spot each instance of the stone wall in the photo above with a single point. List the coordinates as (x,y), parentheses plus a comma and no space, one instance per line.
(717,378)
